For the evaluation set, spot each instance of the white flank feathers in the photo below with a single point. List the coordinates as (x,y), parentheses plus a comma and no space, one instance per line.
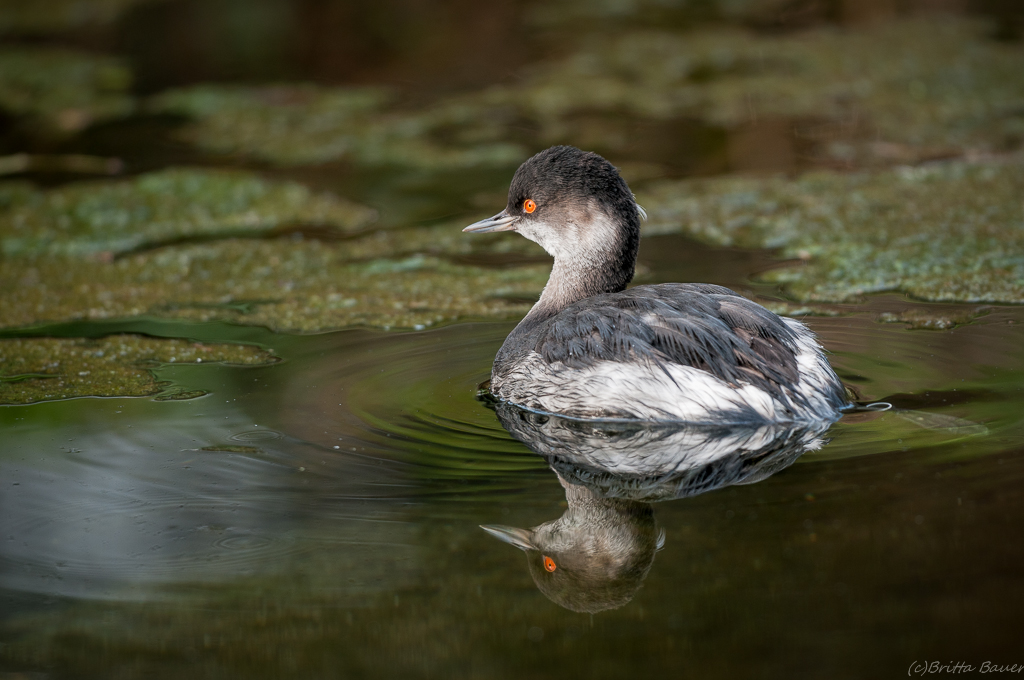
(654,392)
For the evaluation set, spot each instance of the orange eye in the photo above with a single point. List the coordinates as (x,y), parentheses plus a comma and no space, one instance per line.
(549,564)
(529,206)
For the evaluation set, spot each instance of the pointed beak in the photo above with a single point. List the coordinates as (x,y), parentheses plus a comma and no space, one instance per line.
(500,222)
(520,538)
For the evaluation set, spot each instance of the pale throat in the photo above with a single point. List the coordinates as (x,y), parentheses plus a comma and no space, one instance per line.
(586,256)
(573,280)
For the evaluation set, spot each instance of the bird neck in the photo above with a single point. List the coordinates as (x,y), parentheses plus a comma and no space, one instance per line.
(591,267)
(569,284)
(583,275)
(584,504)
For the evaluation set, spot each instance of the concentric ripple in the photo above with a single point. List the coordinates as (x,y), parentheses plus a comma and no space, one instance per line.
(411,398)
(408,398)
(255,436)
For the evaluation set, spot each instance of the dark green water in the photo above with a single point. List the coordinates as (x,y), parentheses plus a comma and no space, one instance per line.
(138,539)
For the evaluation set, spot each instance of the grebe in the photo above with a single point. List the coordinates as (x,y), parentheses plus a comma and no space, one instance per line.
(684,352)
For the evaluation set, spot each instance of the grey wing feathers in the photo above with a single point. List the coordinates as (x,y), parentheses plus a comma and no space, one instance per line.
(707,327)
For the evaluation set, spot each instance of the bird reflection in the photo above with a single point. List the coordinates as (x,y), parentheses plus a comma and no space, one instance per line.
(597,554)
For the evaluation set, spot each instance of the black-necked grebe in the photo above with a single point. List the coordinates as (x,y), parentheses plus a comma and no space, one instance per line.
(688,352)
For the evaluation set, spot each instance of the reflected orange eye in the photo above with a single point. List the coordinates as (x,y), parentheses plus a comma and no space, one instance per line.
(549,564)
(529,206)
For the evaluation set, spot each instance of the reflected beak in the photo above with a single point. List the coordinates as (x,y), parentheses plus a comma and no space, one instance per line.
(500,222)
(520,538)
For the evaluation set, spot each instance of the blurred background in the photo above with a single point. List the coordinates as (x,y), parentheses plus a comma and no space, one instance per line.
(405,119)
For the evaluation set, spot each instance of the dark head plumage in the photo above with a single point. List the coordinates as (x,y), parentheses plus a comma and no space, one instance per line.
(564,177)
(576,205)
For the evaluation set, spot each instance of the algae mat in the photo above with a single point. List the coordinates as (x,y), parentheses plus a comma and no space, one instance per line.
(41,369)
(203,244)
(943,232)
(912,89)
(115,217)
(949,232)
(308,124)
(929,83)
(296,287)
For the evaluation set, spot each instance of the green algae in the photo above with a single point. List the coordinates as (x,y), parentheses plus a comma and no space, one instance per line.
(787,309)
(942,232)
(309,124)
(283,285)
(443,240)
(948,231)
(119,216)
(43,17)
(41,369)
(193,244)
(958,92)
(926,318)
(907,90)
(62,91)
(932,83)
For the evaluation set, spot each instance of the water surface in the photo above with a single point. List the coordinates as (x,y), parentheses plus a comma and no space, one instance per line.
(321,516)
